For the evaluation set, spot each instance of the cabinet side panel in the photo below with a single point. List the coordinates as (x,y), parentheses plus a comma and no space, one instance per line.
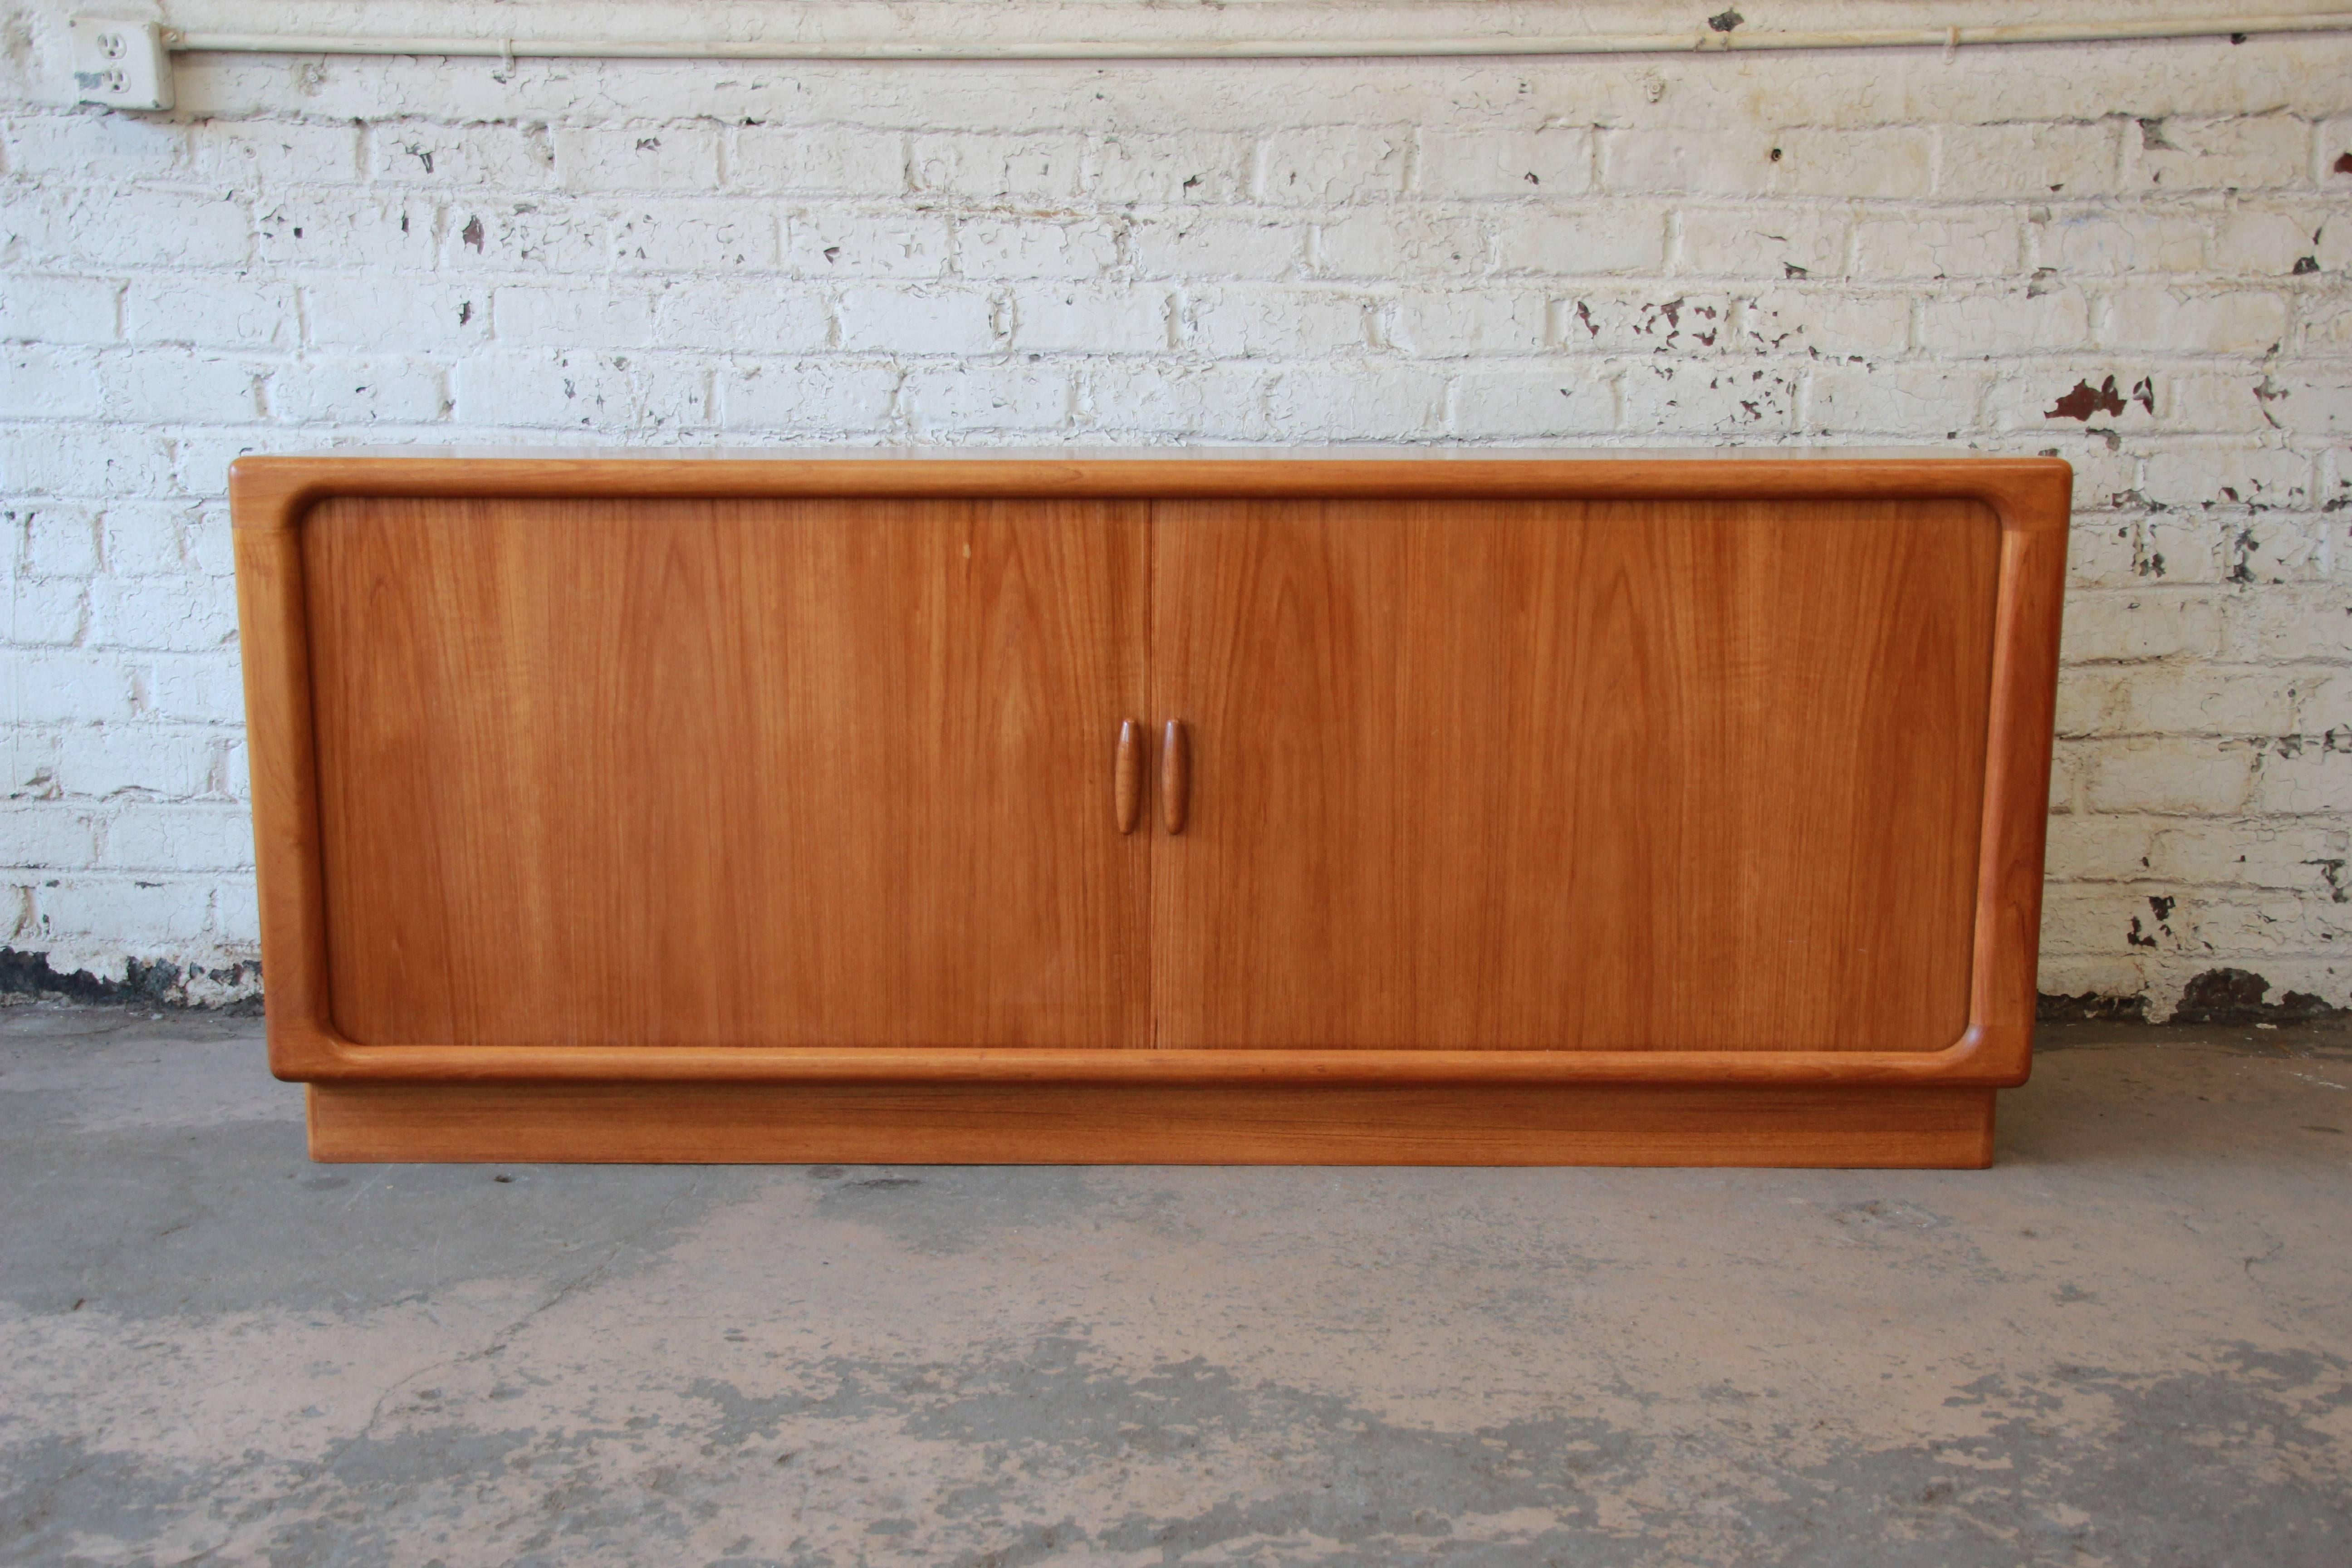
(1622,775)
(734,773)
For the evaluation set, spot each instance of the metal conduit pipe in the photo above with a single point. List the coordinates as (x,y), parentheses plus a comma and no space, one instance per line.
(1341,47)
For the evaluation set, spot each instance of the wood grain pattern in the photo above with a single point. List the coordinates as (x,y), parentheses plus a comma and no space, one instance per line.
(1623,776)
(738,773)
(1096,1124)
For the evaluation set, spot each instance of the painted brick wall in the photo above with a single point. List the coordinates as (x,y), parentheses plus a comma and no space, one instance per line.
(2134,256)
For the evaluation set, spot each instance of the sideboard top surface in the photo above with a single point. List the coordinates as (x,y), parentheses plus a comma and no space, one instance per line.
(272,491)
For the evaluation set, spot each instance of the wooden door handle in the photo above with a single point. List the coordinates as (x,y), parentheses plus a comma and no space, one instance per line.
(1127,775)
(1175,775)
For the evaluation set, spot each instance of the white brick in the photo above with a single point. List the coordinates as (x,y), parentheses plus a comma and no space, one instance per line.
(38,383)
(1376,401)
(358,391)
(2188,777)
(59,541)
(100,762)
(582,317)
(993,168)
(2276,624)
(2030,160)
(2212,401)
(991,246)
(987,395)
(1889,163)
(212,311)
(828,396)
(273,152)
(89,144)
(2256,242)
(122,908)
(1657,321)
(1556,161)
(1329,166)
(2101,242)
(1093,317)
(1825,321)
(1915,401)
(2327,325)
(2018,321)
(181,387)
(1537,403)
(1939,245)
(427,152)
(2099,849)
(61,685)
(763,316)
(622,392)
(2233,477)
(147,539)
(2308,778)
(2244,152)
(2176,322)
(1747,242)
(1691,397)
(1173,169)
(1217,246)
(2127,551)
(98,461)
(237,914)
(1266,320)
(2312,402)
(1470,322)
(1394,245)
(1161,399)
(346,228)
(417,316)
(918,321)
(57,309)
(859,243)
(185,613)
(69,228)
(651,157)
(197,688)
(1584,241)
(818,160)
(192,837)
(2203,699)
(541,234)
(2143,625)
(2247,854)
(51,835)
(697,237)
(52,611)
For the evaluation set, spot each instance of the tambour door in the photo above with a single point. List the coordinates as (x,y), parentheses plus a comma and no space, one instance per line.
(727,772)
(1609,774)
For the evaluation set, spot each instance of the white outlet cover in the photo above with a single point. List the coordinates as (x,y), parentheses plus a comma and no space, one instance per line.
(122,65)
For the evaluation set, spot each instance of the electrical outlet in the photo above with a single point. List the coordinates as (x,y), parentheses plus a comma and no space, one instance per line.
(122,65)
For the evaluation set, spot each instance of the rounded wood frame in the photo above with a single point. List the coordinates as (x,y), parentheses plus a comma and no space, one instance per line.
(270,497)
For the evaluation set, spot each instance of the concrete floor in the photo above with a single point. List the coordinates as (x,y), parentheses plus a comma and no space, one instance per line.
(2129,1343)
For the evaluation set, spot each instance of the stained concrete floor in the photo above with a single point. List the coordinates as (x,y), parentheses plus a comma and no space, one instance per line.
(2125,1344)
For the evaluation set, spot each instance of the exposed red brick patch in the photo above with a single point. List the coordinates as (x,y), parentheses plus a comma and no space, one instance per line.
(2087,400)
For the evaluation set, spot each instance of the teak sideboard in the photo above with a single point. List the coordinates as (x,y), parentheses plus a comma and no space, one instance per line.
(1331,808)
